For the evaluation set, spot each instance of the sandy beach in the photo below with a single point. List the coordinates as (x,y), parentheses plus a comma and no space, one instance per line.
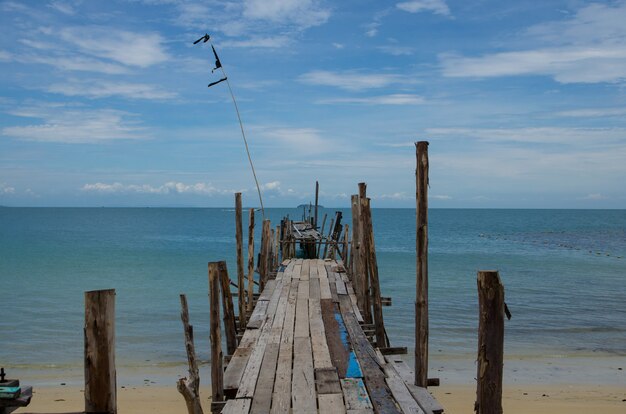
(457,399)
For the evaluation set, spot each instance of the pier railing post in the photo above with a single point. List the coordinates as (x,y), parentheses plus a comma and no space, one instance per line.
(241,292)
(421,302)
(217,371)
(230,329)
(100,376)
(490,343)
(250,301)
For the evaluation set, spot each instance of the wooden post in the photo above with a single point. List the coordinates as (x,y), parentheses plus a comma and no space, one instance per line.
(317,192)
(217,371)
(363,259)
(189,387)
(230,329)
(100,376)
(328,238)
(265,254)
(357,271)
(421,302)
(344,251)
(490,343)
(241,291)
(319,247)
(370,250)
(277,246)
(250,301)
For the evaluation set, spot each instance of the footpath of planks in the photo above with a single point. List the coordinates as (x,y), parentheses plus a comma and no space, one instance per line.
(304,351)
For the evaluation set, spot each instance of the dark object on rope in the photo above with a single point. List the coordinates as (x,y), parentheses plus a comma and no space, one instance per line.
(216,82)
(206,38)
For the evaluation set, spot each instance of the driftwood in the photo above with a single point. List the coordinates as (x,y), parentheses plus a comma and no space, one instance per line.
(189,387)
(217,372)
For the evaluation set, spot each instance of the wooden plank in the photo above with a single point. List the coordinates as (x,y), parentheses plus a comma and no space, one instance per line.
(400,392)
(331,403)
(268,290)
(262,399)
(324,284)
(379,392)
(335,333)
(302,389)
(281,399)
(327,381)
(314,289)
(427,402)
(306,267)
(258,315)
(230,329)
(239,406)
(341,286)
(333,284)
(355,394)
(321,354)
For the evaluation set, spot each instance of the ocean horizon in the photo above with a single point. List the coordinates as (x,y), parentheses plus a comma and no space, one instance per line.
(563,271)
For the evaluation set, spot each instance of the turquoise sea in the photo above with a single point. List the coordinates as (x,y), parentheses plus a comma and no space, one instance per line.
(564,273)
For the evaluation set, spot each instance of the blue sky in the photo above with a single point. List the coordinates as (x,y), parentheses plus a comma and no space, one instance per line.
(106,103)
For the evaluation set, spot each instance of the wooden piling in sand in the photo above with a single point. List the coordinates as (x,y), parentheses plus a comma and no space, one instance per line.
(241,292)
(421,302)
(490,343)
(217,370)
(189,387)
(100,376)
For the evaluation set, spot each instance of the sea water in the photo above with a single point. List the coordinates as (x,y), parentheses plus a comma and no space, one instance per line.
(564,273)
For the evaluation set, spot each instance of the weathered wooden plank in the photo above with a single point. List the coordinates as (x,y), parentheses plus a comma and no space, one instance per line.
(324,283)
(327,381)
(426,401)
(239,406)
(355,394)
(281,399)
(331,403)
(321,354)
(302,389)
(379,392)
(258,315)
(335,334)
(398,388)
(305,272)
(262,399)
(341,286)
(314,289)
(268,290)
(302,315)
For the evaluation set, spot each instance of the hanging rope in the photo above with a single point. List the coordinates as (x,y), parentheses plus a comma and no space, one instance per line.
(218,65)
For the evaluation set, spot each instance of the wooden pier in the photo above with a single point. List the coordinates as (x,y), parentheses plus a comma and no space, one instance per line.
(306,349)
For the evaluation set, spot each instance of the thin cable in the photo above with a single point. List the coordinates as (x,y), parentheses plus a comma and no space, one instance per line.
(245,141)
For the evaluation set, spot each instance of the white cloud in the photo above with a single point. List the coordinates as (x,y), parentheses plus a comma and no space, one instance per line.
(595,196)
(125,47)
(76,63)
(351,80)
(272,42)
(74,126)
(297,137)
(439,197)
(105,89)
(393,99)
(539,135)
(396,50)
(171,187)
(271,185)
(338,46)
(593,112)
(6,189)
(5,56)
(416,6)
(304,13)
(393,196)
(588,48)
(62,7)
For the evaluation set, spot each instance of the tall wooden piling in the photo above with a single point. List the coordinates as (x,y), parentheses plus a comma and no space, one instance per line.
(241,290)
(317,193)
(230,329)
(421,302)
(100,376)
(250,262)
(266,236)
(189,387)
(372,269)
(490,343)
(217,370)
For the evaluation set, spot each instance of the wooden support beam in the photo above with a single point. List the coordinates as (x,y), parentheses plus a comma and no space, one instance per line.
(241,298)
(230,328)
(490,343)
(100,376)
(189,387)
(217,371)
(421,302)
(250,300)
(317,193)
